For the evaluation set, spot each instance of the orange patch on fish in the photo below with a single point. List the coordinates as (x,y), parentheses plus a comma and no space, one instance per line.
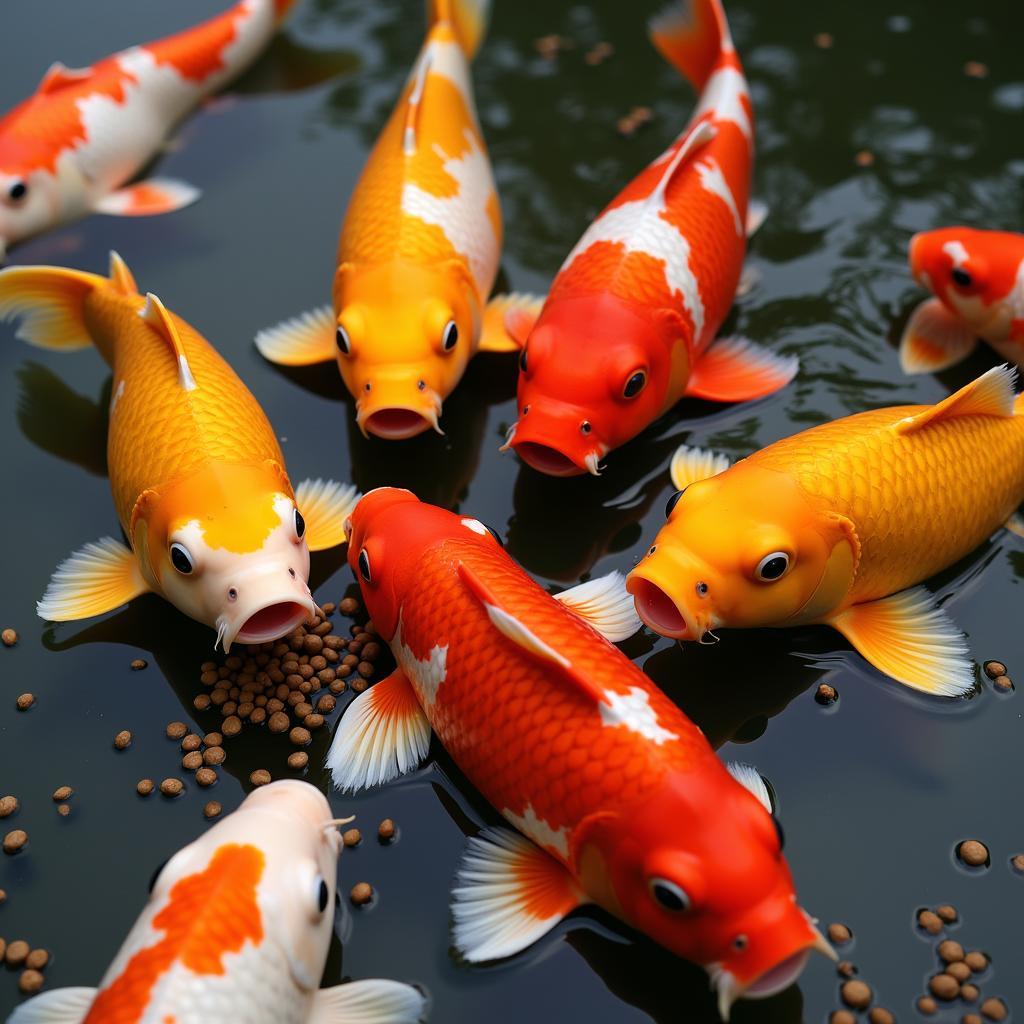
(197,53)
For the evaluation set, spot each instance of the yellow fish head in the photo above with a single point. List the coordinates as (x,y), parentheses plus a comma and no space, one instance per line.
(405,336)
(742,549)
(227,547)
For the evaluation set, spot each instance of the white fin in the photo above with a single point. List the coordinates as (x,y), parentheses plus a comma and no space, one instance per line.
(61,1006)
(757,214)
(508,625)
(383,734)
(508,893)
(156,315)
(301,341)
(368,1002)
(97,578)
(698,136)
(992,394)
(50,302)
(148,198)
(325,505)
(690,465)
(907,636)
(934,339)
(750,778)
(605,604)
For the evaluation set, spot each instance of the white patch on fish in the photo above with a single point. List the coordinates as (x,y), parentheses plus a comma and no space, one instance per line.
(475,525)
(425,676)
(713,180)
(539,830)
(634,711)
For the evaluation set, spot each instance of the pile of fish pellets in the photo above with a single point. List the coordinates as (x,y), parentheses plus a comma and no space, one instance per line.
(21,956)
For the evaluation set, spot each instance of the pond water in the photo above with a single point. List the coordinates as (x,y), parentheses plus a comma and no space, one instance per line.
(874,792)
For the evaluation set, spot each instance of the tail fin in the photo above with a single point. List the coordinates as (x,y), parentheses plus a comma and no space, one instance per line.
(282,8)
(467,17)
(50,302)
(691,35)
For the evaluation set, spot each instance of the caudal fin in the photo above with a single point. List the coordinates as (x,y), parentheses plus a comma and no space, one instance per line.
(468,18)
(691,35)
(282,8)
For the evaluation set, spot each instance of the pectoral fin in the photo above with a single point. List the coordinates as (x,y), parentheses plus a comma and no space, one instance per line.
(368,1002)
(146,198)
(691,465)
(934,339)
(382,735)
(508,894)
(604,604)
(737,370)
(750,779)
(508,320)
(301,341)
(325,505)
(98,578)
(907,636)
(757,214)
(61,1006)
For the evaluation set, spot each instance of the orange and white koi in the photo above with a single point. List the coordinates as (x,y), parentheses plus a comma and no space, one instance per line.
(70,149)
(628,326)
(623,801)
(236,931)
(418,252)
(197,475)
(977,282)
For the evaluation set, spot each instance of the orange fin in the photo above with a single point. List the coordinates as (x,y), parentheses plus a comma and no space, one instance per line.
(691,465)
(737,370)
(95,579)
(146,198)
(934,339)
(509,626)
(508,893)
(155,314)
(59,75)
(908,637)
(325,505)
(990,395)
(604,604)
(301,341)
(121,277)
(508,320)
(382,735)
(50,302)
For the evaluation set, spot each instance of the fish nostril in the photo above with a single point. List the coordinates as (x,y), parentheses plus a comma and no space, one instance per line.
(702,589)
(526,409)
(291,572)
(422,385)
(367,386)
(232,594)
(585,427)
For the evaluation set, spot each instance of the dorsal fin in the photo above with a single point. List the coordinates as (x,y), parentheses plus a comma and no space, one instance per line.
(991,394)
(699,135)
(415,103)
(156,315)
(59,75)
(121,277)
(508,625)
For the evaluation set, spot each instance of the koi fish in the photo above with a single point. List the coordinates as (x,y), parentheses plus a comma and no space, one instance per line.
(977,282)
(627,328)
(617,798)
(70,149)
(236,931)
(418,252)
(196,472)
(834,524)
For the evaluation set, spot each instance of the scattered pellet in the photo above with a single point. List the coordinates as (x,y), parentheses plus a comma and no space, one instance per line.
(977,961)
(948,913)
(365,669)
(970,1018)
(823,41)
(176,730)
(969,992)
(172,787)
(9,637)
(826,695)
(994,669)
(191,742)
(973,853)
(349,605)
(864,158)
(260,777)
(192,760)
(386,830)
(16,953)
(213,739)
(352,837)
(950,951)
(994,1009)
(63,810)
(359,685)
(839,933)
(313,721)
(598,53)
(206,776)
(138,664)
(213,756)
(328,608)
(8,805)
(15,841)
(300,737)
(62,793)
(144,787)
(371,652)
(975,69)
(3,895)
(123,740)
(30,982)
(362,893)
(846,969)
(945,986)
(278,722)
(211,809)
(298,760)
(927,1005)
(232,726)
(930,922)
(326,704)
(201,702)
(842,1017)
(37,959)
(1017,862)
(958,970)
(1004,684)
(856,993)
(25,701)
(878,1015)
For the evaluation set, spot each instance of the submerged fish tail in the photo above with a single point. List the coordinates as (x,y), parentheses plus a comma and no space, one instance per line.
(468,19)
(691,35)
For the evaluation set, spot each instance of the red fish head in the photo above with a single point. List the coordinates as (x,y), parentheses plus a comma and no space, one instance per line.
(719,895)
(388,532)
(593,373)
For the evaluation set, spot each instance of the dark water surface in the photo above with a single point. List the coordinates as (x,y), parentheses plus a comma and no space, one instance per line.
(874,793)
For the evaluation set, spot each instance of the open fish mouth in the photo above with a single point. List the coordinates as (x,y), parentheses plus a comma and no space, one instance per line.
(272,622)
(546,459)
(657,609)
(398,424)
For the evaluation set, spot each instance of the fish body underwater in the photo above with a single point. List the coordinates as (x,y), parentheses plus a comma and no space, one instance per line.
(198,478)
(629,325)
(834,524)
(419,249)
(620,798)
(72,147)
(236,931)
(977,283)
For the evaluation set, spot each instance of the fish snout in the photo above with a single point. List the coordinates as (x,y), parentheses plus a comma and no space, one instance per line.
(265,604)
(292,798)
(558,440)
(672,597)
(395,405)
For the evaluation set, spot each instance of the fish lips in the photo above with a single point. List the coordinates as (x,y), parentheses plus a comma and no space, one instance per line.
(660,611)
(544,442)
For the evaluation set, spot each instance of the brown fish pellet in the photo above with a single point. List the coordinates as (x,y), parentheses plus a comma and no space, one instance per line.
(975,69)
(856,993)
(213,756)
(211,809)
(845,969)
(260,777)
(192,760)
(352,837)
(958,970)
(348,606)
(313,721)
(927,1005)
(201,702)
(359,685)
(63,810)
(326,704)
(298,760)
(9,637)
(231,726)
(278,722)
(191,742)
(37,959)
(8,805)
(144,787)
(977,962)
(138,664)
(30,982)
(945,986)
(206,776)
(213,739)
(365,669)
(994,669)
(62,793)
(878,1015)
(123,740)
(15,841)
(300,737)
(839,933)
(172,787)
(948,913)
(25,701)
(994,1009)
(3,895)
(969,993)
(973,853)
(950,951)
(864,158)
(930,922)
(386,830)
(16,953)
(1004,684)
(842,1017)
(176,730)
(970,1018)
(361,894)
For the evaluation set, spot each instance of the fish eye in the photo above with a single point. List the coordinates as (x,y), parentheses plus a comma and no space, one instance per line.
(635,384)
(962,277)
(300,525)
(668,895)
(740,943)
(343,341)
(522,360)
(17,191)
(181,559)
(772,566)
(364,565)
(323,894)
(450,336)
(585,427)
(672,502)
(702,589)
